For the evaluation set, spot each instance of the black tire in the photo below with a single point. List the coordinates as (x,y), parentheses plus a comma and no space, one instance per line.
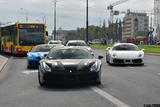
(42,84)
(28,66)
(98,82)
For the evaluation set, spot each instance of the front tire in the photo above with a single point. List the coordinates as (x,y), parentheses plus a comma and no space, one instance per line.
(40,80)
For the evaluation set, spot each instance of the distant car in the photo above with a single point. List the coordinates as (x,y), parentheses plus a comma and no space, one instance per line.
(79,43)
(158,43)
(55,42)
(36,54)
(96,41)
(124,53)
(70,65)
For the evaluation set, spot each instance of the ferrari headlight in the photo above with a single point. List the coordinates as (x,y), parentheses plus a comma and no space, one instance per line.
(94,67)
(140,55)
(46,67)
(114,55)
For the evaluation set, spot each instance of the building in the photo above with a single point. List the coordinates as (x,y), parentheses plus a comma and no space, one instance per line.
(157,18)
(135,24)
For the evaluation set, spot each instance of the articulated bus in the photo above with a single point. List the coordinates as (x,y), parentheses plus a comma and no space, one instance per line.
(19,38)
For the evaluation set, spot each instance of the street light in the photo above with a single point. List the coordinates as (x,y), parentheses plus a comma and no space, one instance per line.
(55,3)
(26,13)
(43,17)
(86,20)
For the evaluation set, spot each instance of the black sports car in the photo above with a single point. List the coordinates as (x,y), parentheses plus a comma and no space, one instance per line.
(70,65)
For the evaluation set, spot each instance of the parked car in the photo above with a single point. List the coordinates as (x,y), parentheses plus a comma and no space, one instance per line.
(70,65)
(96,41)
(79,43)
(36,54)
(124,53)
(158,43)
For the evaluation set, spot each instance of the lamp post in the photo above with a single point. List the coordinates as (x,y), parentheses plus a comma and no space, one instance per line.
(26,13)
(43,17)
(55,3)
(86,20)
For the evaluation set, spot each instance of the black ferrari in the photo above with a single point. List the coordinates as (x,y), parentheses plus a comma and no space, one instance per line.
(70,65)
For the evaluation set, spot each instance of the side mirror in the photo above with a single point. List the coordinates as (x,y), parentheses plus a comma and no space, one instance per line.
(38,57)
(100,57)
(108,48)
(142,49)
(45,55)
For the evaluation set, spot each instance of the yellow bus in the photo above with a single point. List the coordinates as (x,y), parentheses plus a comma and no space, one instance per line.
(19,38)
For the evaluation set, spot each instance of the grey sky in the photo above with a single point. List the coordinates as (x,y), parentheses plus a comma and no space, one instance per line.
(70,13)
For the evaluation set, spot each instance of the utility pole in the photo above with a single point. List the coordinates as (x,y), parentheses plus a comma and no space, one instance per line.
(87,21)
(55,3)
(26,13)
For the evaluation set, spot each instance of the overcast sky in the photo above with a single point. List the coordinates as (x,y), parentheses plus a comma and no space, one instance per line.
(70,13)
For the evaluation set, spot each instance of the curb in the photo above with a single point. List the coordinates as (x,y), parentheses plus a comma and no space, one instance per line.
(4,62)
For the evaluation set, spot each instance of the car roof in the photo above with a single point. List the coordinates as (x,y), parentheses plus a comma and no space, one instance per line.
(42,45)
(71,47)
(116,44)
(76,41)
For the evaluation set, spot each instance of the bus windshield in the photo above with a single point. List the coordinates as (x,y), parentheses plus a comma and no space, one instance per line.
(31,34)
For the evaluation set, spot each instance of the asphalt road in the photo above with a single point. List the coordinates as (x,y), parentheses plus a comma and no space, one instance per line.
(122,86)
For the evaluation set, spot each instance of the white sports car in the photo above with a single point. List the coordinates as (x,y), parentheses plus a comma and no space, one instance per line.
(124,53)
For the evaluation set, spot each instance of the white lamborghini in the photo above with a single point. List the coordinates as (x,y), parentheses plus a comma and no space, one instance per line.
(124,53)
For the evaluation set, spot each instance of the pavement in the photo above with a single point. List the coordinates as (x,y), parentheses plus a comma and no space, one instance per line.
(3,61)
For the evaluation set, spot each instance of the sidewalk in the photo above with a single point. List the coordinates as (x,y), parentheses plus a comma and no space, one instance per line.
(3,61)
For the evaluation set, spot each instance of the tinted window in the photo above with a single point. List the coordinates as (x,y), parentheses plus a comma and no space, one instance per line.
(69,54)
(76,44)
(55,42)
(41,49)
(125,48)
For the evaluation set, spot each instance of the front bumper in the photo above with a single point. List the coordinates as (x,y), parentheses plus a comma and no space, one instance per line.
(127,61)
(70,77)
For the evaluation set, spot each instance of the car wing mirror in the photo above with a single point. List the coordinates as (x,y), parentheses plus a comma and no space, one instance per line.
(100,57)
(108,48)
(142,49)
(38,57)
(45,55)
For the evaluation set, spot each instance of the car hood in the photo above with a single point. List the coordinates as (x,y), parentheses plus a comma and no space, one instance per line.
(127,54)
(71,64)
(37,54)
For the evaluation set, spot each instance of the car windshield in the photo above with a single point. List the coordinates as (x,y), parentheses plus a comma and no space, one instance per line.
(55,42)
(69,54)
(41,49)
(125,48)
(76,44)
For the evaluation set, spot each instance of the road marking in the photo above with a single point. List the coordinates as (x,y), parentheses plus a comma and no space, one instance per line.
(130,67)
(109,97)
(158,73)
(30,71)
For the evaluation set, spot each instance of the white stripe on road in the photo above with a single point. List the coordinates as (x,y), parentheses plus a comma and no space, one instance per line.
(109,97)
(30,71)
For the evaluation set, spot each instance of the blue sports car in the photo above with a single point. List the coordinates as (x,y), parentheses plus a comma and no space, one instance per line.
(36,54)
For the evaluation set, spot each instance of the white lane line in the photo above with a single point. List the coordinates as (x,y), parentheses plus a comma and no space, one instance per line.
(30,71)
(130,67)
(109,97)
